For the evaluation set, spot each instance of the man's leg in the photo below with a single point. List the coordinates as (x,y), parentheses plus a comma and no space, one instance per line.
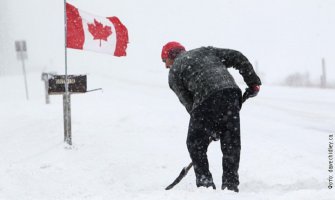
(231,145)
(231,148)
(197,144)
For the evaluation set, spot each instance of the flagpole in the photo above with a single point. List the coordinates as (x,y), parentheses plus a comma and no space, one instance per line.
(66,97)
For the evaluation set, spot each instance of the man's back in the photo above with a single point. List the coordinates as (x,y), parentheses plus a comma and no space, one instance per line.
(201,72)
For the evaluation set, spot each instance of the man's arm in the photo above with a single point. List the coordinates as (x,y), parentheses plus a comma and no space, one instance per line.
(237,60)
(177,85)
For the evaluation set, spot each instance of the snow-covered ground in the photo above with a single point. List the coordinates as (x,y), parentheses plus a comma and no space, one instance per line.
(129,142)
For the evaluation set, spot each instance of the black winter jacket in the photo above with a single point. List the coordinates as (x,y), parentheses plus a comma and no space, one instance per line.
(198,73)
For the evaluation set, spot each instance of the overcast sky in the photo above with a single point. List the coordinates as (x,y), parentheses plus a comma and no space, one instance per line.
(283,36)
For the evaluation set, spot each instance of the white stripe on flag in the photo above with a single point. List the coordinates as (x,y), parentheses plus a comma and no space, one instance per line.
(94,45)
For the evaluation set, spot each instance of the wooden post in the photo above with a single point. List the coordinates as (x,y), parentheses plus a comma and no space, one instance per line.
(45,78)
(47,98)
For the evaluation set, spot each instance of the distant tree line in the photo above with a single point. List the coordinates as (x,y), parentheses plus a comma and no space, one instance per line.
(303,79)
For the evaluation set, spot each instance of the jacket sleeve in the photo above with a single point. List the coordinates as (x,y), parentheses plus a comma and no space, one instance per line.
(237,60)
(177,85)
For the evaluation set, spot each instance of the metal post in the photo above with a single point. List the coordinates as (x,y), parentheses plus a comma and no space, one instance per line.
(64,116)
(66,104)
(323,76)
(24,74)
(67,122)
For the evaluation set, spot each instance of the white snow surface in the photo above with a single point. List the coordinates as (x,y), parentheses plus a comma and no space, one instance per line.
(129,141)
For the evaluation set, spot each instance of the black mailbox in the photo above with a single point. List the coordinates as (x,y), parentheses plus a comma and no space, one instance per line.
(76,84)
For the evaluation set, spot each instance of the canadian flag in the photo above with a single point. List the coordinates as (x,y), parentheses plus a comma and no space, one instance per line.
(89,32)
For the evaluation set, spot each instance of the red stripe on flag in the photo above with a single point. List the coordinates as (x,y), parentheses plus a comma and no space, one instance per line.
(121,37)
(75,31)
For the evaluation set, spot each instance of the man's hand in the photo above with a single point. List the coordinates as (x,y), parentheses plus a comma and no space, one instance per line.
(250,92)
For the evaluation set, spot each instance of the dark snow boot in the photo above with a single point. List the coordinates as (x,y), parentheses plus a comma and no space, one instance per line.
(204,182)
(207,185)
(230,187)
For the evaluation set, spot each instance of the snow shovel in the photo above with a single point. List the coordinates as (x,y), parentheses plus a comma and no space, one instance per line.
(182,174)
(185,170)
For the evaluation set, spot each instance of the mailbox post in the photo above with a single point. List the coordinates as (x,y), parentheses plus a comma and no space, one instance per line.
(45,78)
(67,119)
(76,84)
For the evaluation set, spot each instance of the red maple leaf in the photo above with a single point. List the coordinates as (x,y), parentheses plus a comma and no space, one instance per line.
(99,31)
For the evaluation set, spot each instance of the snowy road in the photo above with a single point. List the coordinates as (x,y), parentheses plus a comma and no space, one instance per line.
(129,143)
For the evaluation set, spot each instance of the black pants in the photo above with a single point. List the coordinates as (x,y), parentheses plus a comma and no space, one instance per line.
(217,117)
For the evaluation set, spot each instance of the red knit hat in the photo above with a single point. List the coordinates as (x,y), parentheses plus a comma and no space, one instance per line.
(169,49)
